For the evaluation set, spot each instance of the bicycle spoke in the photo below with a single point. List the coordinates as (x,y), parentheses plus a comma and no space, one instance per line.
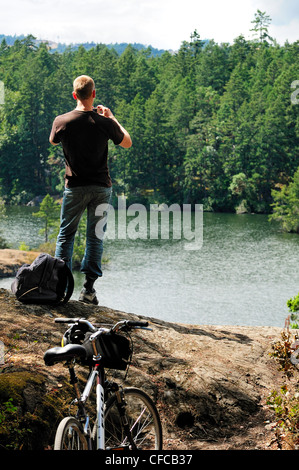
(69,436)
(142,418)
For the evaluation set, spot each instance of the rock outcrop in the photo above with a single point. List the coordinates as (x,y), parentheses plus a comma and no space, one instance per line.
(11,260)
(210,383)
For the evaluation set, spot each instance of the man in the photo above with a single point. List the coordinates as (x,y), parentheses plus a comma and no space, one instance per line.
(84,134)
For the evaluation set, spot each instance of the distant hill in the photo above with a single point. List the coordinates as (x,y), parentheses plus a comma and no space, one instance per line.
(61,47)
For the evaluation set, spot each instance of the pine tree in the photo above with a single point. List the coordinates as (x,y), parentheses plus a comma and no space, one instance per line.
(49,213)
(261,22)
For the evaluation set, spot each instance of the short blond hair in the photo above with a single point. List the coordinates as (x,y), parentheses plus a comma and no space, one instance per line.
(83,87)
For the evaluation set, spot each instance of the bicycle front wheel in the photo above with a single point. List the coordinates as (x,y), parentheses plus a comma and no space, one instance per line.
(70,436)
(143,419)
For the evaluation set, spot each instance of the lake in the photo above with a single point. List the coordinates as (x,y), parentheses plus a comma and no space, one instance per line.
(244,273)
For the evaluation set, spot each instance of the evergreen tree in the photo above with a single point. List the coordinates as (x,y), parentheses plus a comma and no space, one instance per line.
(199,118)
(286,205)
(261,22)
(49,213)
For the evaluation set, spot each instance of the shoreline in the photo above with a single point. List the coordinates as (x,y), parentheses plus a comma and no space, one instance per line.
(11,260)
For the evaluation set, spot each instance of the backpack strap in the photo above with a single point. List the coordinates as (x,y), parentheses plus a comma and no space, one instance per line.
(69,285)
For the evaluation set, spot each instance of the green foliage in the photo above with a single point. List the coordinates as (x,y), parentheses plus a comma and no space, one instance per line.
(80,243)
(18,426)
(282,351)
(285,402)
(23,246)
(293,306)
(286,205)
(49,213)
(3,242)
(9,422)
(10,425)
(261,22)
(293,303)
(198,118)
(286,408)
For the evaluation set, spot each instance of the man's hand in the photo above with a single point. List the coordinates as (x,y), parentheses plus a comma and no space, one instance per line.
(106,112)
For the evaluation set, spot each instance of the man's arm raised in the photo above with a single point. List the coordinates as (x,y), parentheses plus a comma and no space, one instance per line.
(106,112)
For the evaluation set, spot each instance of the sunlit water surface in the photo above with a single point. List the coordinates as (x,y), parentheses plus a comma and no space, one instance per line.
(244,273)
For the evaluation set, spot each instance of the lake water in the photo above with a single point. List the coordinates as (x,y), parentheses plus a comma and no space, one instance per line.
(244,273)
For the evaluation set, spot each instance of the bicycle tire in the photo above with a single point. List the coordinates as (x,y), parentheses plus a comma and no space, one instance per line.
(70,436)
(143,418)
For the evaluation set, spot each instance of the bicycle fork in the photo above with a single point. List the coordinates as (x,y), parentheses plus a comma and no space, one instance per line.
(121,406)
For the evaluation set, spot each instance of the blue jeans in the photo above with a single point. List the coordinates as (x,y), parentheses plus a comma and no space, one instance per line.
(75,201)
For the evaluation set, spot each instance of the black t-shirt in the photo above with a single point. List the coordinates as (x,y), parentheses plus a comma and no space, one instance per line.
(84,136)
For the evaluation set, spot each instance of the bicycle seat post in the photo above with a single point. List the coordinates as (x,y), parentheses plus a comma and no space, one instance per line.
(74,379)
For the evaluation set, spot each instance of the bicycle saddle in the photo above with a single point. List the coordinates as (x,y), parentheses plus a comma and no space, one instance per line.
(65,353)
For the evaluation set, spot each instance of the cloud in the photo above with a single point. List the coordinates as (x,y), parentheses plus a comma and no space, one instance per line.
(284,16)
(287,31)
(161,23)
(282,12)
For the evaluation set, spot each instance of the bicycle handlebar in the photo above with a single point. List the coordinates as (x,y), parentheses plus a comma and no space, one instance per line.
(121,325)
(79,321)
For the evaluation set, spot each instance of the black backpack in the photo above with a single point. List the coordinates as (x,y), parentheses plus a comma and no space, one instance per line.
(47,280)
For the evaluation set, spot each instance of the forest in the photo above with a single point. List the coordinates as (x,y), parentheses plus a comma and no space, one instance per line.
(212,124)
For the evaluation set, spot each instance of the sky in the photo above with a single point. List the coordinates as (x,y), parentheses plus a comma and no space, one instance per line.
(163,24)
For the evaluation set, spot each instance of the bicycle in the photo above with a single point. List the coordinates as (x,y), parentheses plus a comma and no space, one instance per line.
(126,418)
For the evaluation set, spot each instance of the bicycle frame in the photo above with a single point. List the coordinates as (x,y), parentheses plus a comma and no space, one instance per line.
(100,410)
(97,376)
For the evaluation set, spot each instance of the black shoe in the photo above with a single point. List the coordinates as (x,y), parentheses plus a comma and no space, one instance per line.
(88,297)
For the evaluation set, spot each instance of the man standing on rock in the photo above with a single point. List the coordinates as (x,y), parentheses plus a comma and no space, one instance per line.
(84,134)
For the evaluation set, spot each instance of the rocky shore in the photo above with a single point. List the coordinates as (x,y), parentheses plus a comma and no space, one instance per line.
(11,260)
